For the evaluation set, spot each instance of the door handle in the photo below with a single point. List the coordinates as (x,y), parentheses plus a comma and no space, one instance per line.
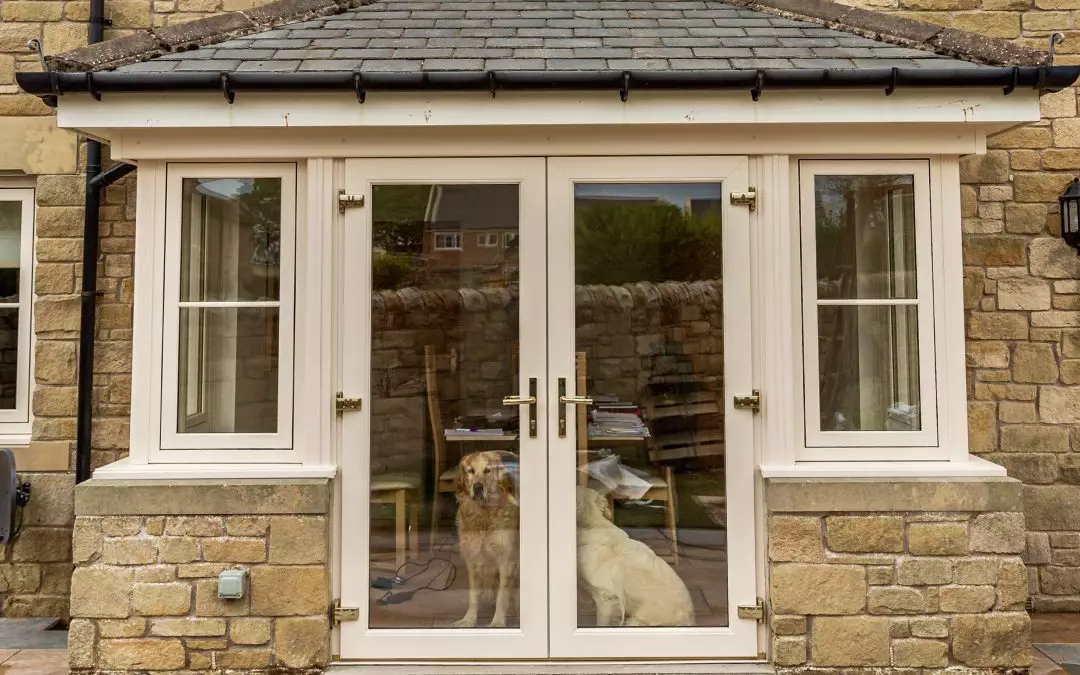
(530,401)
(572,400)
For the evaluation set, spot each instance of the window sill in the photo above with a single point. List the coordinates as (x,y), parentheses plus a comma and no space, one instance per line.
(973,467)
(124,469)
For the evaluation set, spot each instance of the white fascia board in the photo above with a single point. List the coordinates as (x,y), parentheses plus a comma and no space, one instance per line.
(457,109)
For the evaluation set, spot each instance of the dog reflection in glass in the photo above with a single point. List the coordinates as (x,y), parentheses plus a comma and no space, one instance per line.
(630,584)
(487,525)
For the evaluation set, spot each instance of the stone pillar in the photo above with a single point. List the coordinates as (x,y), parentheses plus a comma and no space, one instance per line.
(878,574)
(147,555)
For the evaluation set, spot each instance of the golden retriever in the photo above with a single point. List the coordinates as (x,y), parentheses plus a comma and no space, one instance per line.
(630,584)
(487,525)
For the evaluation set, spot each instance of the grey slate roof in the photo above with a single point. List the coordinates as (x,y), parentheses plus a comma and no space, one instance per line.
(532,35)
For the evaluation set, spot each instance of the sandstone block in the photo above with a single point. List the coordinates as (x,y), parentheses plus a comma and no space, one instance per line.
(982,427)
(1030,468)
(997,326)
(243,659)
(850,641)
(301,642)
(865,534)
(1053,508)
(1012,591)
(789,651)
(142,654)
(129,551)
(1025,218)
(20,578)
(101,592)
(880,575)
(992,641)
(998,533)
(178,549)
(1039,187)
(987,355)
(121,526)
(53,502)
(42,544)
(1062,103)
(795,539)
(1038,548)
(234,550)
(80,645)
(937,538)
(200,570)
(257,631)
(924,572)
(1052,259)
(162,599)
(122,628)
(789,625)
(1034,363)
(155,574)
(916,653)
(818,589)
(1034,438)
(247,526)
(929,628)
(1030,137)
(60,190)
(188,627)
(1017,412)
(1060,580)
(993,167)
(54,362)
(976,571)
(193,526)
(896,600)
(996,251)
(308,590)
(298,540)
(967,599)
(206,643)
(1059,405)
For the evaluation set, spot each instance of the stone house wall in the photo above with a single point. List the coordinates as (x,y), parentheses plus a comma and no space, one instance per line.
(1022,292)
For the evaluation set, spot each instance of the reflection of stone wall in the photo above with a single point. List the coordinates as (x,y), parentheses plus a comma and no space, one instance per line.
(9,357)
(256,367)
(633,335)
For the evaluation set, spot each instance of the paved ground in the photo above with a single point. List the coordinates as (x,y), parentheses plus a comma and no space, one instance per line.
(1056,652)
(1056,640)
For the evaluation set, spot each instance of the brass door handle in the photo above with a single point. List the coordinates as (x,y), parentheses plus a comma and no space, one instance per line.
(530,401)
(572,400)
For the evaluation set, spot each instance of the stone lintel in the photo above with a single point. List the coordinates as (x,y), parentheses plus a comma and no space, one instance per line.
(98,497)
(825,495)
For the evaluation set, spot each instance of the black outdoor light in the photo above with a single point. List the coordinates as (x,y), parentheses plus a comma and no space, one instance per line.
(1070,215)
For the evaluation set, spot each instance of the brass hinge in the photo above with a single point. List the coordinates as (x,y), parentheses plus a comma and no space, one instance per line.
(755,611)
(751,402)
(342,404)
(748,198)
(338,614)
(348,201)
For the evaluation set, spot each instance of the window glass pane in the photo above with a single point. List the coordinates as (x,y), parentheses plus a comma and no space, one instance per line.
(10,248)
(230,239)
(9,357)
(228,370)
(868,360)
(651,449)
(865,234)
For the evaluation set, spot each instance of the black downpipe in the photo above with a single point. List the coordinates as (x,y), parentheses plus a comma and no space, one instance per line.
(96,182)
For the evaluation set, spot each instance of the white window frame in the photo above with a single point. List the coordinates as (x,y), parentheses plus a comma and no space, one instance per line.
(15,423)
(455,235)
(487,239)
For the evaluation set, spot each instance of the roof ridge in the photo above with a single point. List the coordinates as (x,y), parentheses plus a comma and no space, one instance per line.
(146,44)
(902,31)
(150,43)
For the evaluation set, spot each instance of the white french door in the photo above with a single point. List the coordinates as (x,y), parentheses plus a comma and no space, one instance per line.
(607,293)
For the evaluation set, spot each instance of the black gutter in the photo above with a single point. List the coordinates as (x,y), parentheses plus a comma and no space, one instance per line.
(96,182)
(1052,78)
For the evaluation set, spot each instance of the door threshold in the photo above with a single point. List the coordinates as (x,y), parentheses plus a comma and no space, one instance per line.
(541,667)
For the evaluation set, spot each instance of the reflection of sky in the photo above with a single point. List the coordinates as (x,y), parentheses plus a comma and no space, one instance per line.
(675,193)
(224,188)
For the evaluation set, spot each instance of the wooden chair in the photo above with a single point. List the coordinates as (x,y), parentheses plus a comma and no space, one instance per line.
(661,488)
(445,478)
(402,490)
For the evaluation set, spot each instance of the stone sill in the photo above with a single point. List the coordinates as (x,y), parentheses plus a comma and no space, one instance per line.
(833,495)
(124,469)
(973,467)
(101,497)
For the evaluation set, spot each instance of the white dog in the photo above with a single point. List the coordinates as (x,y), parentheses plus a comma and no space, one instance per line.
(631,585)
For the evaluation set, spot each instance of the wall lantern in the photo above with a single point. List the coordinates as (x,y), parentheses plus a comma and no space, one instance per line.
(1070,215)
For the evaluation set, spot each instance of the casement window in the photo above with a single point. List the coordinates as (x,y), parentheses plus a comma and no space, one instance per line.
(16,294)
(228,289)
(487,240)
(868,310)
(447,241)
(510,239)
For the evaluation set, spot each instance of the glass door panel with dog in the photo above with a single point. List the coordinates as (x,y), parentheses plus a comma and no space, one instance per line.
(648,339)
(448,448)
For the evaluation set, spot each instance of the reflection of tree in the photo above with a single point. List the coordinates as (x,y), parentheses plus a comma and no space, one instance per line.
(621,242)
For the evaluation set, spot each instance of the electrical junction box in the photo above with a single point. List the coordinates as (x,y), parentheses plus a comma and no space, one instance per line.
(230,585)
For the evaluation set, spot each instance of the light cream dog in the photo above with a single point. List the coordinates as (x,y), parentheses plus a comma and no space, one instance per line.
(487,524)
(630,584)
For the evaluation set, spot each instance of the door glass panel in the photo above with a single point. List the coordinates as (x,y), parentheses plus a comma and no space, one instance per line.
(444,514)
(652,517)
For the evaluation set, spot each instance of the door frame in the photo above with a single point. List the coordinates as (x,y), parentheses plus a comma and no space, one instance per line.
(739,639)
(357,640)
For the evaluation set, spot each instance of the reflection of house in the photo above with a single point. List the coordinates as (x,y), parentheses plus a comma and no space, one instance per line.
(472,226)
